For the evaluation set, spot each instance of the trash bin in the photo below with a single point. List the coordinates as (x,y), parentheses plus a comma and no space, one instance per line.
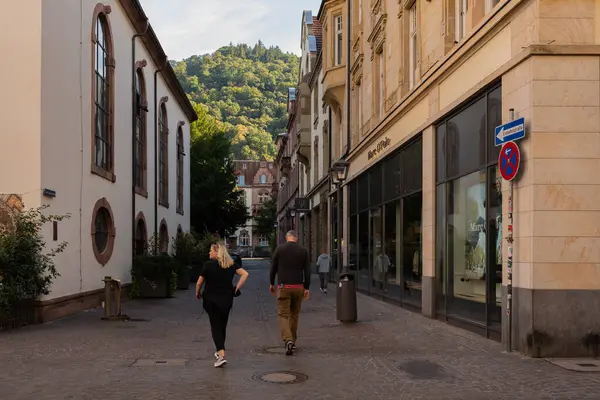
(346,297)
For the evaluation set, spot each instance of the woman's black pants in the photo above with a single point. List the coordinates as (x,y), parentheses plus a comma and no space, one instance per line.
(218,314)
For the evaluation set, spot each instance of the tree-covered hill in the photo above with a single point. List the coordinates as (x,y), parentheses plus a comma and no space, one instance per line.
(245,88)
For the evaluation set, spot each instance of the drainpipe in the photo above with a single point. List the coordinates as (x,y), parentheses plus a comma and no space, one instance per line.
(134,109)
(348,78)
(158,71)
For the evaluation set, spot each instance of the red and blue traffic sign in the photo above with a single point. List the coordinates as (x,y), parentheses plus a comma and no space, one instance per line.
(509,160)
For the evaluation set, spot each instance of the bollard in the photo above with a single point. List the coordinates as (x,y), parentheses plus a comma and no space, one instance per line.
(112,287)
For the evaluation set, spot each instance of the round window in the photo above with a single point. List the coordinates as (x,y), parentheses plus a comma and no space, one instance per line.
(102,223)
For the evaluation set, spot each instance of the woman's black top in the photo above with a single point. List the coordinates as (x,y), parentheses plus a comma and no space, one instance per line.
(219,283)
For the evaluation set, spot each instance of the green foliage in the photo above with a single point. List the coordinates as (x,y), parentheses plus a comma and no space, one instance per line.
(153,266)
(216,203)
(26,267)
(184,247)
(245,89)
(266,217)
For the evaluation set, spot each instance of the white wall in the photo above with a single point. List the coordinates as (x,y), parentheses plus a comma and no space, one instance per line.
(66,142)
(21,49)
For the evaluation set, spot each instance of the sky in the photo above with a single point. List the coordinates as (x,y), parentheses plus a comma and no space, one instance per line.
(189,27)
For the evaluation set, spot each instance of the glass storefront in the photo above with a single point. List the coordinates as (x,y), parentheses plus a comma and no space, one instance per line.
(385,226)
(468,214)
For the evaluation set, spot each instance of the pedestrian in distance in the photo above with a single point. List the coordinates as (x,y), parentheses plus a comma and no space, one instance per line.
(324,263)
(217,277)
(291,264)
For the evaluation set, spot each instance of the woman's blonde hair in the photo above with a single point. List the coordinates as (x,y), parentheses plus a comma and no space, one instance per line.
(223,257)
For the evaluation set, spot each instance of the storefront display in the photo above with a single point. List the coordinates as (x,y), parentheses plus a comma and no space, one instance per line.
(386,217)
(469,213)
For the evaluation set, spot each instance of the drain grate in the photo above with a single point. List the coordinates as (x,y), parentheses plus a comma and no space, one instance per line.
(280,377)
(142,362)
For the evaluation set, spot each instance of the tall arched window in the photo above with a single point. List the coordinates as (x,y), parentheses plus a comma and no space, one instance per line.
(103,94)
(163,237)
(141,235)
(163,162)
(180,155)
(141,108)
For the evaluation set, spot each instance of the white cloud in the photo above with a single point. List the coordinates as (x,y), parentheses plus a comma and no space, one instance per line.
(187,27)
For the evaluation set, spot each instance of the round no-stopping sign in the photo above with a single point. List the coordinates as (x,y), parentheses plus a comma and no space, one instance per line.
(509,161)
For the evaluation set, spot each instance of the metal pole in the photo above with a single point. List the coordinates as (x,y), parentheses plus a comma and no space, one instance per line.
(339,229)
(509,285)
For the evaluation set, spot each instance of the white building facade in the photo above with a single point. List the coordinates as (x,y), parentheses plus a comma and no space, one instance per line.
(91,107)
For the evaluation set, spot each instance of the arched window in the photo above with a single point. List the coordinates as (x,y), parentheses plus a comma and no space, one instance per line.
(163,162)
(244,238)
(141,235)
(103,94)
(263,179)
(163,237)
(180,155)
(141,108)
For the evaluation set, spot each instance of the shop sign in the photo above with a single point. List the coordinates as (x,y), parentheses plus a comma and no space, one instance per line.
(302,204)
(379,147)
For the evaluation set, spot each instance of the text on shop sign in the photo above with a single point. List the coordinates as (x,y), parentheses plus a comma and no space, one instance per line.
(381,146)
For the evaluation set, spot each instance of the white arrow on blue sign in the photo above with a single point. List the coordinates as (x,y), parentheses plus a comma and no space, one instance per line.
(509,132)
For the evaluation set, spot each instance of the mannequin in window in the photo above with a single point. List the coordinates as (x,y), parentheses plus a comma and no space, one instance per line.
(380,270)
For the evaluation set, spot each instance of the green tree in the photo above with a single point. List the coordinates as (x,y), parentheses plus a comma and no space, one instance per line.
(246,86)
(266,217)
(216,203)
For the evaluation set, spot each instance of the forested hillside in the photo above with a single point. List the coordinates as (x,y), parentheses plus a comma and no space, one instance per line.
(245,89)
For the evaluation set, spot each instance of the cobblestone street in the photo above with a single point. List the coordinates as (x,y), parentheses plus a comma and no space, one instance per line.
(391,353)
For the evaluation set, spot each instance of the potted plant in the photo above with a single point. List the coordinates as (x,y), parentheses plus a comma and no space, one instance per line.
(184,247)
(153,274)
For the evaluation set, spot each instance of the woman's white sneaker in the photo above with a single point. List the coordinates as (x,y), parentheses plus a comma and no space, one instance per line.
(220,362)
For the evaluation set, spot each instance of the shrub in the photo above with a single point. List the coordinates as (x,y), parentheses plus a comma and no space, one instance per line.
(26,265)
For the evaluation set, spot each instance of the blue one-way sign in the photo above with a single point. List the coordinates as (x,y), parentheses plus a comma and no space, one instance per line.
(509,132)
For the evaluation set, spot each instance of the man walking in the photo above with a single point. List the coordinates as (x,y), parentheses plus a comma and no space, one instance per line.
(323,263)
(291,264)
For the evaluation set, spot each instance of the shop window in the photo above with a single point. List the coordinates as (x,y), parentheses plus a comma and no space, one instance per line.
(375,186)
(391,177)
(352,243)
(393,249)
(363,192)
(363,250)
(103,231)
(440,153)
(412,260)
(380,263)
(465,135)
(412,160)
(352,198)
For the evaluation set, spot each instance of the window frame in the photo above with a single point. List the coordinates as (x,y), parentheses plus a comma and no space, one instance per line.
(103,256)
(141,132)
(338,40)
(460,16)
(180,169)
(141,221)
(101,20)
(163,155)
(163,237)
(413,44)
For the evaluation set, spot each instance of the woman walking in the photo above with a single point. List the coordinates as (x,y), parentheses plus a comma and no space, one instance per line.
(218,274)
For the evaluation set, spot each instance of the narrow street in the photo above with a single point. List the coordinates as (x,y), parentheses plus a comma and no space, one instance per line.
(390,353)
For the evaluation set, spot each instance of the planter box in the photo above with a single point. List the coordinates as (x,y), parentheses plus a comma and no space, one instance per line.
(22,314)
(154,289)
(183,278)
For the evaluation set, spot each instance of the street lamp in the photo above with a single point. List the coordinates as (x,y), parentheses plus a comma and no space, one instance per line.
(339,173)
(293,212)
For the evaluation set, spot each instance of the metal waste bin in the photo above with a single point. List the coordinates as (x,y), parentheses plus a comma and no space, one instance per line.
(346,297)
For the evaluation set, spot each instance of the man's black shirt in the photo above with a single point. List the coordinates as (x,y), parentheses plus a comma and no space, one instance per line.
(291,265)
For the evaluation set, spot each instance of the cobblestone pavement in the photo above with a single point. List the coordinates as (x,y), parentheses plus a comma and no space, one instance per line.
(392,353)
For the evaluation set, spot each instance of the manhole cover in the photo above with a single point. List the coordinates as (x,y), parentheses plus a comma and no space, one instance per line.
(159,362)
(423,369)
(280,377)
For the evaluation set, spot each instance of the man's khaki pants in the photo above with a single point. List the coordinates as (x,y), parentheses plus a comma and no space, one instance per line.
(289,302)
